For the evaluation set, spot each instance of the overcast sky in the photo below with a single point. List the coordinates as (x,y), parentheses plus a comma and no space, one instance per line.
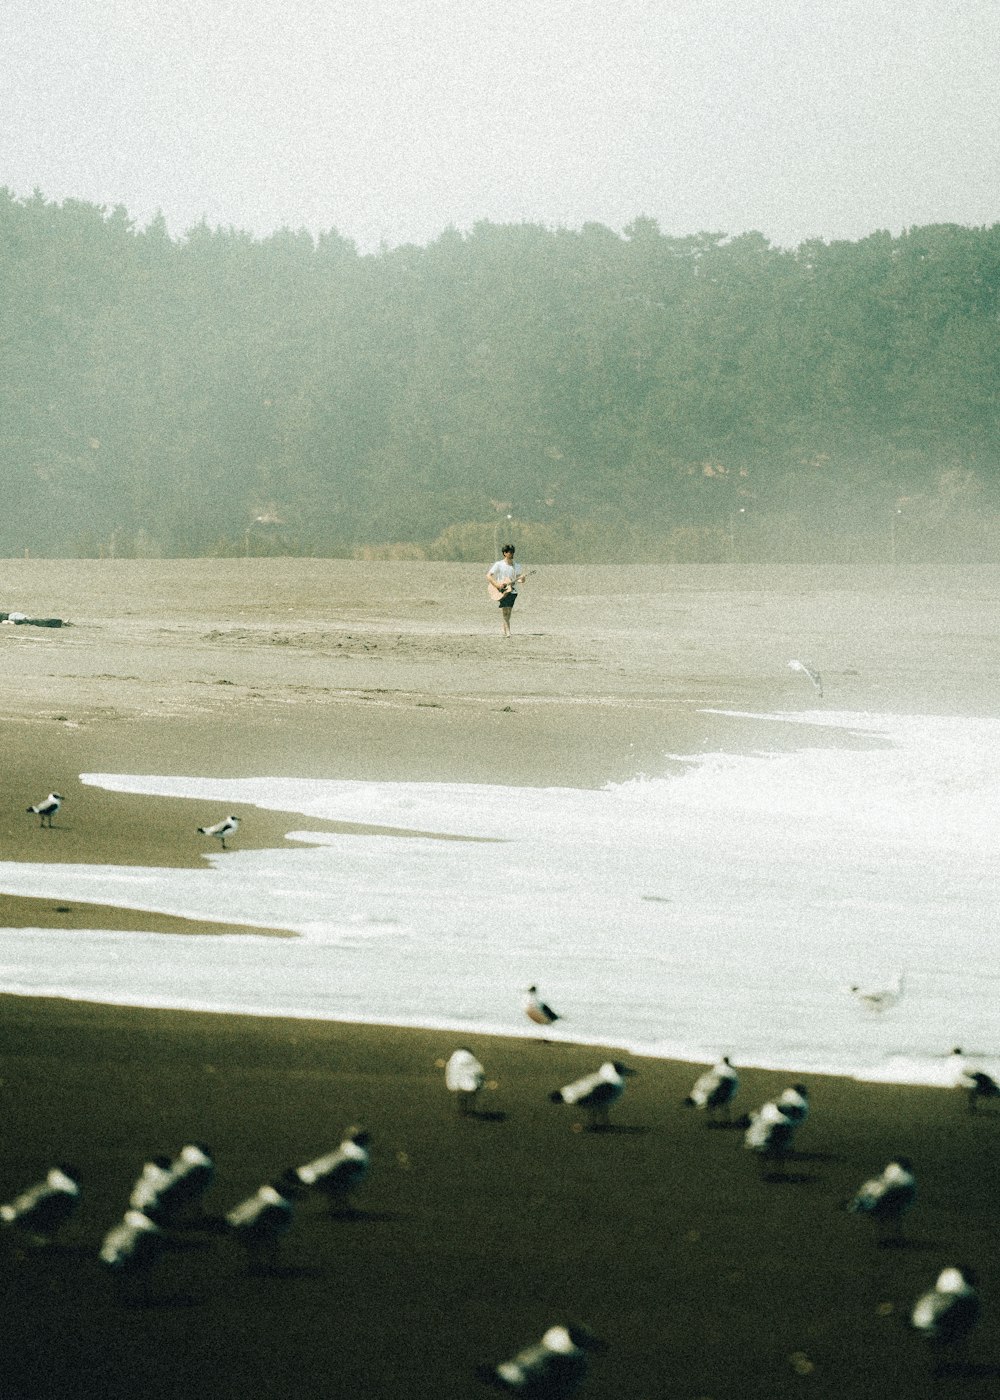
(391,119)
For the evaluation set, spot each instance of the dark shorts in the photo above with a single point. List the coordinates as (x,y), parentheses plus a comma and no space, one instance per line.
(508,600)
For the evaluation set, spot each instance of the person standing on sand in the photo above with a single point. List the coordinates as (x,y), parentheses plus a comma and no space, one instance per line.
(502,578)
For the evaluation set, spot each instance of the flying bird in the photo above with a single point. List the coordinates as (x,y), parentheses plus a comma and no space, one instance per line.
(948,1312)
(46,809)
(596,1093)
(261,1221)
(551,1368)
(880,998)
(42,1210)
(715,1089)
(464,1076)
(340,1173)
(886,1199)
(809,671)
(536,1010)
(229,826)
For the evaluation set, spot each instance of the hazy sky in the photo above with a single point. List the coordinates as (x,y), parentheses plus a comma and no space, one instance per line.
(391,119)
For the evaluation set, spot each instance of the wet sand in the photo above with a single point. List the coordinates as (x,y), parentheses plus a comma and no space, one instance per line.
(704,1279)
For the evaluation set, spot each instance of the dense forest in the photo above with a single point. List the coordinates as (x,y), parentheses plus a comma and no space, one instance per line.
(631,396)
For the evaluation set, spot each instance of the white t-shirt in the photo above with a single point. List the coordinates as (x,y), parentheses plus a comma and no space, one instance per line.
(502,572)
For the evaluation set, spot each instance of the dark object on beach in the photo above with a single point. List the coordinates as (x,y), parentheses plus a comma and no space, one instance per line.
(715,1090)
(551,1368)
(339,1174)
(596,1093)
(42,1210)
(19,620)
(47,808)
(948,1312)
(886,1199)
(263,1219)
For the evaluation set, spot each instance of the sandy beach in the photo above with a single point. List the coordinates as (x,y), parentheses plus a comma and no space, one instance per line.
(704,1279)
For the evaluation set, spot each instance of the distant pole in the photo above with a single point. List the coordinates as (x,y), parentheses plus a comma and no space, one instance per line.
(893,520)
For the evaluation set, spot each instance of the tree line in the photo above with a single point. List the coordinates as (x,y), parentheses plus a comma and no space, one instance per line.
(638,395)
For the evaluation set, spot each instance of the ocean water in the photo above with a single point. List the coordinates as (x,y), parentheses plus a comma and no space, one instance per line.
(725,907)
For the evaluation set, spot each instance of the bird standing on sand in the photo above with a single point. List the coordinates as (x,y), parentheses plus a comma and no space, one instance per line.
(948,1312)
(596,1093)
(886,1199)
(150,1182)
(229,826)
(42,1210)
(770,1133)
(794,1103)
(536,1010)
(47,809)
(341,1172)
(188,1178)
(263,1219)
(464,1076)
(553,1367)
(715,1090)
(131,1248)
(976,1082)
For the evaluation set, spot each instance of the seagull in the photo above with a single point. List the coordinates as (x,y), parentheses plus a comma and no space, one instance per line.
(887,1198)
(42,1210)
(809,671)
(536,1010)
(976,1082)
(260,1222)
(339,1174)
(596,1093)
(715,1089)
(551,1368)
(153,1178)
(464,1076)
(882,998)
(189,1176)
(229,826)
(770,1133)
(47,809)
(947,1313)
(794,1103)
(131,1248)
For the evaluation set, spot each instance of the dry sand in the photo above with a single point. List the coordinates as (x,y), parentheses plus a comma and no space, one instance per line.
(704,1280)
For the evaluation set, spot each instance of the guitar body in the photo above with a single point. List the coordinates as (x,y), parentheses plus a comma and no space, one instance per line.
(495,593)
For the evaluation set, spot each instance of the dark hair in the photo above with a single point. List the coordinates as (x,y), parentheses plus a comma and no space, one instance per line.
(507,549)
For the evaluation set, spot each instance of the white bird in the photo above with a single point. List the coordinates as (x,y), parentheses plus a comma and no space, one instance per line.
(47,809)
(464,1076)
(880,998)
(809,671)
(42,1210)
(947,1313)
(155,1175)
(552,1367)
(715,1089)
(886,1198)
(770,1133)
(131,1248)
(229,826)
(340,1173)
(536,1010)
(263,1219)
(189,1175)
(596,1093)
(976,1082)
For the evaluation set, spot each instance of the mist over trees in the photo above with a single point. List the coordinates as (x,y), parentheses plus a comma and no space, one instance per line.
(633,397)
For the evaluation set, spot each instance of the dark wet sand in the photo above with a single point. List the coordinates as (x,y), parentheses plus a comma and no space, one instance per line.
(704,1279)
(473,1234)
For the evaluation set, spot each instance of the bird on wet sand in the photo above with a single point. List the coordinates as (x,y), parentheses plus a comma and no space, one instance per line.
(715,1090)
(596,1093)
(770,1134)
(553,1367)
(886,1198)
(130,1249)
(261,1221)
(947,1313)
(228,826)
(464,1076)
(41,1211)
(976,1082)
(47,808)
(340,1173)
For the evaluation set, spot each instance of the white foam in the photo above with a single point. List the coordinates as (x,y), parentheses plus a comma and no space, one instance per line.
(724,909)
